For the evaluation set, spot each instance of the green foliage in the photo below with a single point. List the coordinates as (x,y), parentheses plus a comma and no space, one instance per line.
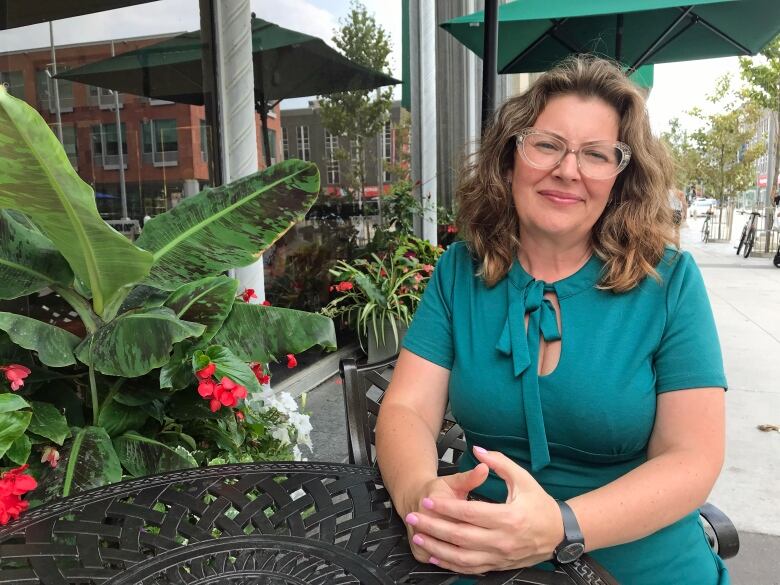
(360,114)
(382,288)
(155,311)
(762,75)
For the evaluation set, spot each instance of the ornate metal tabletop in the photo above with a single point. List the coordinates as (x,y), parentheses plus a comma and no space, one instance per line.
(248,524)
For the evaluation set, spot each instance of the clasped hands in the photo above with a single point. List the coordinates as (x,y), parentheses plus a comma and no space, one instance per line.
(467,536)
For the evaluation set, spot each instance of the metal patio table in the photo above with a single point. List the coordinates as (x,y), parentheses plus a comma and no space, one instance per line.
(257,523)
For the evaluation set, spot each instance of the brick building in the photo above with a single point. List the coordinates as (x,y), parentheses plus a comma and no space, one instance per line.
(164,143)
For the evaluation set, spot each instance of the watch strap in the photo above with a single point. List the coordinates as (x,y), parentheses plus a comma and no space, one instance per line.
(572,534)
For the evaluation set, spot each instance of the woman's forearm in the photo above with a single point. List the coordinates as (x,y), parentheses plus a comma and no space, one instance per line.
(406,453)
(652,496)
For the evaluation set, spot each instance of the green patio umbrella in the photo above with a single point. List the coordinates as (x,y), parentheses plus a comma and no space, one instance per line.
(287,64)
(534,34)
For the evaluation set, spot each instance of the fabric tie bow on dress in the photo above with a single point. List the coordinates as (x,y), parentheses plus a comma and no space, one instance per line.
(523,347)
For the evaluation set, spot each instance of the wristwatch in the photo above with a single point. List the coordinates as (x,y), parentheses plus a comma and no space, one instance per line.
(573,544)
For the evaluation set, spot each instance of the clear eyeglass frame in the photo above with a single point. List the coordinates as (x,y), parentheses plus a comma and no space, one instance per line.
(624,149)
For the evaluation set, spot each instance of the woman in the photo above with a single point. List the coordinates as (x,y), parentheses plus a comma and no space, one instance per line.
(560,331)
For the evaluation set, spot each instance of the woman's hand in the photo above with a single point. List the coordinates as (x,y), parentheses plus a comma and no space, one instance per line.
(454,487)
(475,537)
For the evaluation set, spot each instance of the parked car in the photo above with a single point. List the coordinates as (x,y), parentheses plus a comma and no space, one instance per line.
(701,206)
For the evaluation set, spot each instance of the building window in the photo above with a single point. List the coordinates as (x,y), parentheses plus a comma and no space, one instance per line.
(104,98)
(45,88)
(160,142)
(70,144)
(105,145)
(272,145)
(285,144)
(204,141)
(387,151)
(332,163)
(14,83)
(302,135)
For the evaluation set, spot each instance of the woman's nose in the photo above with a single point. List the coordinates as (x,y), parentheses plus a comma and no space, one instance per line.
(568,167)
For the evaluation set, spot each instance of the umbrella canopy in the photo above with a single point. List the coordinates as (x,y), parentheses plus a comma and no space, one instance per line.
(287,64)
(14,13)
(534,34)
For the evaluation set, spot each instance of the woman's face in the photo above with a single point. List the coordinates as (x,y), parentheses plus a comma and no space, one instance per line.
(561,202)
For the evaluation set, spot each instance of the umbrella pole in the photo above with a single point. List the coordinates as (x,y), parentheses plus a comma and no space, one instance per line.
(264,123)
(489,62)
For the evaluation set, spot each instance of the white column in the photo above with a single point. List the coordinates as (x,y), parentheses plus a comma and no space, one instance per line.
(235,84)
(426,115)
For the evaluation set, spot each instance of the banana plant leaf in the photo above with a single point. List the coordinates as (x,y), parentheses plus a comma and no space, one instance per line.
(28,260)
(142,456)
(87,461)
(54,346)
(38,180)
(206,301)
(136,342)
(256,333)
(48,422)
(229,226)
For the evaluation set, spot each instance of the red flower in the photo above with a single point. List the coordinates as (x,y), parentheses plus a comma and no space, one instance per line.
(207,372)
(427,268)
(13,485)
(239,416)
(15,374)
(51,456)
(452,229)
(248,295)
(410,254)
(344,286)
(383,273)
(265,303)
(260,374)
(214,405)
(206,388)
(418,277)
(291,361)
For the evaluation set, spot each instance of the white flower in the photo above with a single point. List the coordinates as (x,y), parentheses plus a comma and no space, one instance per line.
(302,423)
(297,455)
(282,435)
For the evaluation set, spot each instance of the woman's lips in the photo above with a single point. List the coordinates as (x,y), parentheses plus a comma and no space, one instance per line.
(560,197)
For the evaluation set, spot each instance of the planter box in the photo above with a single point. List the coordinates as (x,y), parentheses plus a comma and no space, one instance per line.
(386,346)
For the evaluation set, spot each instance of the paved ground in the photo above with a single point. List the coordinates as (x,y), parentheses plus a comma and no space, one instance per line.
(745,297)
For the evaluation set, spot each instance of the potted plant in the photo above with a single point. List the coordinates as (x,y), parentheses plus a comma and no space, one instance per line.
(379,294)
(169,370)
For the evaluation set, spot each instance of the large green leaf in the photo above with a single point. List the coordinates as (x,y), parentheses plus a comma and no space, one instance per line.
(37,179)
(47,421)
(142,456)
(28,260)
(136,342)
(10,402)
(19,451)
(117,418)
(228,226)
(87,461)
(206,301)
(12,426)
(256,333)
(54,345)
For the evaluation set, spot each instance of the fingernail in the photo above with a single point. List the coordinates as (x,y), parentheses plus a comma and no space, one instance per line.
(434,561)
(427,503)
(418,540)
(480,450)
(412,519)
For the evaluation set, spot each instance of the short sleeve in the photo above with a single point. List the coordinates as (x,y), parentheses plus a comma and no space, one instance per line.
(430,334)
(688,355)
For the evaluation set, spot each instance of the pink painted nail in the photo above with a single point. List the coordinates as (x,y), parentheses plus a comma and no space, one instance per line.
(434,561)
(480,450)
(427,503)
(418,540)
(412,519)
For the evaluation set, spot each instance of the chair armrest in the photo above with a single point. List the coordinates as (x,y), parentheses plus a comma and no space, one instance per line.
(726,538)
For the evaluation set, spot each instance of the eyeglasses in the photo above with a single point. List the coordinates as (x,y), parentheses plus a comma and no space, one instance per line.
(598,160)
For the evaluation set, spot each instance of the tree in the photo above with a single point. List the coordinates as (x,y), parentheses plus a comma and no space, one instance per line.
(685,154)
(725,156)
(358,115)
(763,76)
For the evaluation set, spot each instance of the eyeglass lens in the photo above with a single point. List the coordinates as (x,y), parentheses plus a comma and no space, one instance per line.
(597,160)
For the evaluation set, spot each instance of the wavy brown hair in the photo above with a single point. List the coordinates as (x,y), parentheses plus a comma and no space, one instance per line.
(632,233)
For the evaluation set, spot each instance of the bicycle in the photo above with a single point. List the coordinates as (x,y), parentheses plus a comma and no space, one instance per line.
(748,237)
(705,228)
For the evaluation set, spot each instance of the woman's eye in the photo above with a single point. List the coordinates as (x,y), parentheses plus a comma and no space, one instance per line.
(597,155)
(551,146)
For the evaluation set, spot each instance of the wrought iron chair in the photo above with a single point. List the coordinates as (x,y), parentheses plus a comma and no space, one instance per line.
(364,387)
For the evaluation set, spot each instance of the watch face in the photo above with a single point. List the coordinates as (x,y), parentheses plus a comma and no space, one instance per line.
(569,553)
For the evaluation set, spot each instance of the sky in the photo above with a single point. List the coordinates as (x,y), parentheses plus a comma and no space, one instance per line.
(677,86)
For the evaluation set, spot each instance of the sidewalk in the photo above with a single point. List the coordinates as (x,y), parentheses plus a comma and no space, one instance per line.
(745,297)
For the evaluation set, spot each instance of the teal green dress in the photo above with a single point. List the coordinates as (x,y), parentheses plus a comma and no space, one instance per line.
(589,421)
